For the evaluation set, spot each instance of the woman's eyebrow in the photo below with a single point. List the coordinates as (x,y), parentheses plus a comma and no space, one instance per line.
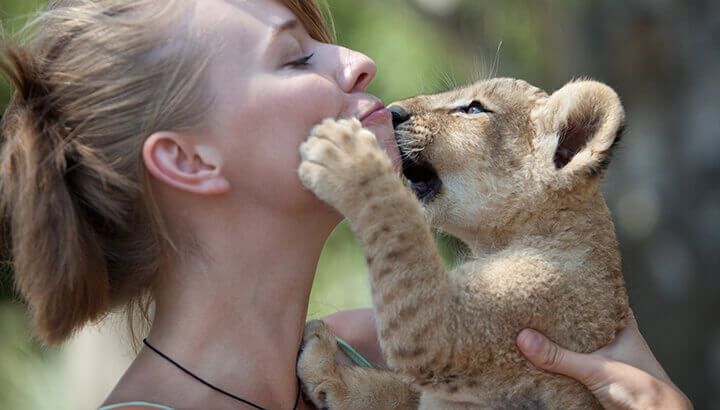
(278,29)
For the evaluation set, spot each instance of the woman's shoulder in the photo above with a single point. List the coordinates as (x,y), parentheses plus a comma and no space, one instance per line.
(135,405)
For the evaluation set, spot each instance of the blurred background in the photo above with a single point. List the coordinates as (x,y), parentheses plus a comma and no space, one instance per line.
(663,59)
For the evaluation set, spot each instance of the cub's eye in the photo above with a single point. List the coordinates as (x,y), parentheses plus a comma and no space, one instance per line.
(474,107)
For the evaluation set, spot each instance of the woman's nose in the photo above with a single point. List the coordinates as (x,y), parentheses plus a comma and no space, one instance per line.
(357,72)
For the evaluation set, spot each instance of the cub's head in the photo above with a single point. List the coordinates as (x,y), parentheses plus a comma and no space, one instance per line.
(490,151)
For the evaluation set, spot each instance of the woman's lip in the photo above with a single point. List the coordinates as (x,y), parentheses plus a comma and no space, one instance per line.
(378,116)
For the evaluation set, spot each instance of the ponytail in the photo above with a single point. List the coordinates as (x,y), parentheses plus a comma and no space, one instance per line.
(83,230)
(96,78)
(57,259)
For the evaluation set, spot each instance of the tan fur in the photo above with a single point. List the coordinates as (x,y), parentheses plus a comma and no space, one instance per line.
(544,253)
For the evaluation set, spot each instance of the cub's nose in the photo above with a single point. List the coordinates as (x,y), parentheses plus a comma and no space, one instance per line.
(399,115)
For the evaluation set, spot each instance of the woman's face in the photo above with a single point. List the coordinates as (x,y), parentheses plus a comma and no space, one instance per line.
(272,84)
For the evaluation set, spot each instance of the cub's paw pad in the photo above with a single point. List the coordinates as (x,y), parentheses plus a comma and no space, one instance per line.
(342,133)
(338,159)
(350,136)
(317,329)
(316,367)
(317,358)
(339,143)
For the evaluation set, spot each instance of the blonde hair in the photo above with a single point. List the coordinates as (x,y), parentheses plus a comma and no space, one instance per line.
(99,77)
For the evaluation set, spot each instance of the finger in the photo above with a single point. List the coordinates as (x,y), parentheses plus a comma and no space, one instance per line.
(629,335)
(632,321)
(547,355)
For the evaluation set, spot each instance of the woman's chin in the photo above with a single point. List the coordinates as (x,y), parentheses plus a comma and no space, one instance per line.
(322,211)
(330,217)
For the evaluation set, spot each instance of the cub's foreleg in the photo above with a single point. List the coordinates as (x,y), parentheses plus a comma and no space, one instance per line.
(344,166)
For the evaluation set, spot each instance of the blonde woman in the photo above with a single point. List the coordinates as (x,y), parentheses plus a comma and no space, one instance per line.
(150,154)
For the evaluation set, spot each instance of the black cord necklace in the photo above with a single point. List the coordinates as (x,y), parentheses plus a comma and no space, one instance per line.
(217,389)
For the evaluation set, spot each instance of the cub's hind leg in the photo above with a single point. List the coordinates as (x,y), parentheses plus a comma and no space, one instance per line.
(333,386)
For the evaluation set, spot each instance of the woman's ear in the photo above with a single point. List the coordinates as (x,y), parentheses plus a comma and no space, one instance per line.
(179,162)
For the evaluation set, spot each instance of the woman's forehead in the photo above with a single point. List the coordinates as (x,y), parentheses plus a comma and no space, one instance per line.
(266,12)
(242,21)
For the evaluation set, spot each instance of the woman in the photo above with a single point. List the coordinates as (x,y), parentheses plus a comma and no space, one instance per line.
(158,147)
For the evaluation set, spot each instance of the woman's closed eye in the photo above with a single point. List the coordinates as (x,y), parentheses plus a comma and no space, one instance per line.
(301,62)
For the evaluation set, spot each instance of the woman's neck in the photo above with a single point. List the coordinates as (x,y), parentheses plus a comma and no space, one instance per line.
(236,319)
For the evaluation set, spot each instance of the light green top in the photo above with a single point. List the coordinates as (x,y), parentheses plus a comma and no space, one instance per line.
(344,347)
(136,403)
(353,354)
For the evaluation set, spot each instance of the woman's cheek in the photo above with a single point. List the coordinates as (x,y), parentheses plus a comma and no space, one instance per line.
(313,101)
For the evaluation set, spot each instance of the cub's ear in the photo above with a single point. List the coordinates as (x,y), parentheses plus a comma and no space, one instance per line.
(578,127)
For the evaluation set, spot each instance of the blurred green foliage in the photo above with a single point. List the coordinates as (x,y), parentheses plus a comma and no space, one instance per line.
(410,57)
(30,377)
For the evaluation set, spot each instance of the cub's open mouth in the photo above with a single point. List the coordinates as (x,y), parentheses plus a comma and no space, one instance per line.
(422,179)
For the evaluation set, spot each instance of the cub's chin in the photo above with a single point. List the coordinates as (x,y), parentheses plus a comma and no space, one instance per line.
(422,179)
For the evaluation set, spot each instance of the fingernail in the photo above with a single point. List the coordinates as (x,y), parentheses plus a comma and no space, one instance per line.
(530,342)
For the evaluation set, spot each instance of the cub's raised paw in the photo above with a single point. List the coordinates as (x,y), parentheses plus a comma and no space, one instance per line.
(340,157)
(316,368)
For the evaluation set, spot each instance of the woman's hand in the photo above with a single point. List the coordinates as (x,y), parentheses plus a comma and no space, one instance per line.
(622,375)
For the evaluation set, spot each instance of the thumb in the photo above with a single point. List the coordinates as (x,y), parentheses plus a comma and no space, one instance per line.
(547,355)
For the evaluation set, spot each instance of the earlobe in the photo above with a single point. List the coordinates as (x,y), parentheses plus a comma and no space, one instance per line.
(175,160)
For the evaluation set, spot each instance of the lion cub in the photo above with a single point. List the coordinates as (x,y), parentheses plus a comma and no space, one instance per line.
(514,173)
